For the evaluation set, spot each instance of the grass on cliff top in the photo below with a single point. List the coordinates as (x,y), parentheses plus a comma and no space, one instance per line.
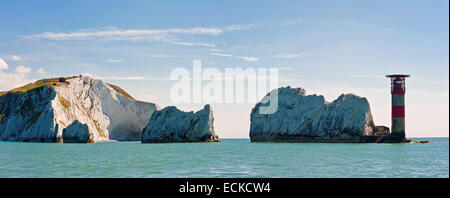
(50,82)
(120,90)
(54,82)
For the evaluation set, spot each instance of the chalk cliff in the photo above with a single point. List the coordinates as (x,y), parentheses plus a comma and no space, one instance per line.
(74,109)
(173,125)
(309,118)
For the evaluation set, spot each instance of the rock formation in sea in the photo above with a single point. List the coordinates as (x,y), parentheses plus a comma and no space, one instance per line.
(74,109)
(309,118)
(173,125)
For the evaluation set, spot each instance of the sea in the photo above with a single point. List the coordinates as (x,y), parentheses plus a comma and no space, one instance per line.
(230,158)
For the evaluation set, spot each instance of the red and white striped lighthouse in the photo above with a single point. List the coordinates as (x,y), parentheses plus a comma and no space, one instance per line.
(398,103)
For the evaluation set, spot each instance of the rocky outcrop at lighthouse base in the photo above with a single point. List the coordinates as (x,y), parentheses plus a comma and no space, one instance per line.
(309,118)
(173,125)
(74,109)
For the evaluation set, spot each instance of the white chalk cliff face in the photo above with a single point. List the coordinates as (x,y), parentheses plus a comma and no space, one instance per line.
(173,125)
(305,117)
(81,110)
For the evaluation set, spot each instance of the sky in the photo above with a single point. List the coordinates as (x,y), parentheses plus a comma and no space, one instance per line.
(326,47)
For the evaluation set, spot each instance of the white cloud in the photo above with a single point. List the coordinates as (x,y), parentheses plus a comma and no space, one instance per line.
(215,50)
(245,58)
(10,80)
(248,58)
(115,60)
(3,65)
(245,26)
(124,34)
(292,55)
(41,71)
(114,33)
(249,26)
(193,44)
(221,54)
(13,79)
(22,70)
(16,58)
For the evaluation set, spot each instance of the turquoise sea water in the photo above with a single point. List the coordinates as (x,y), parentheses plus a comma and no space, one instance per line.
(230,158)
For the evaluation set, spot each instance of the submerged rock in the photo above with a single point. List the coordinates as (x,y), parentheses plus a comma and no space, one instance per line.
(77,109)
(309,118)
(419,141)
(173,125)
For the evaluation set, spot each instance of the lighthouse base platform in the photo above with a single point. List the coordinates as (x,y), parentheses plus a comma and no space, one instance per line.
(395,137)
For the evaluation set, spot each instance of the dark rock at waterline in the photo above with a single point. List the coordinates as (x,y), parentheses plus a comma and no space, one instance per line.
(173,125)
(77,132)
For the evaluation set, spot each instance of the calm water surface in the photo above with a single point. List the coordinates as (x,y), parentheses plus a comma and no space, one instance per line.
(230,158)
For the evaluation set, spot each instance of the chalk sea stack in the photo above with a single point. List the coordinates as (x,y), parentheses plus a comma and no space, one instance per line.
(309,118)
(73,109)
(172,125)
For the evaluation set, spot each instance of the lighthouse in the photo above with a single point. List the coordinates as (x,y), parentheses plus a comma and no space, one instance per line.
(398,104)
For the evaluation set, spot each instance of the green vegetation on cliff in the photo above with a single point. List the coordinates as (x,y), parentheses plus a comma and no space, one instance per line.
(54,82)
(49,82)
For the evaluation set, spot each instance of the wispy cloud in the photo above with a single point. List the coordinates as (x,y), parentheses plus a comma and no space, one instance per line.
(113,33)
(284,22)
(115,60)
(193,44)
(289,55)
(215,50)
(221,54)
(35,57)
(41,71)
(16,58)
(245,58)
(248,58)
(244,26)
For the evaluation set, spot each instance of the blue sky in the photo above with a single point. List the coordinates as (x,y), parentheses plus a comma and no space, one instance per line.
(326,47)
